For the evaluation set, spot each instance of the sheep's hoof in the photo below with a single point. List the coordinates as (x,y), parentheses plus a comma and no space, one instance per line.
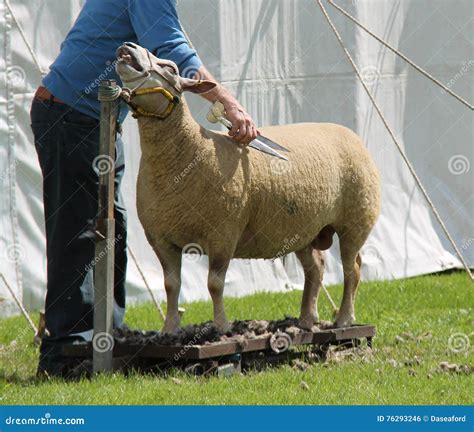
(307,323)
(344,321)
(224,327)
(170,327)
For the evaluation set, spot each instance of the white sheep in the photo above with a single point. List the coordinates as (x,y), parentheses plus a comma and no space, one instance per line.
(198,186)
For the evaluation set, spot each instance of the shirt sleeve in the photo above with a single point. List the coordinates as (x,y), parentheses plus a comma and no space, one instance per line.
(158,29)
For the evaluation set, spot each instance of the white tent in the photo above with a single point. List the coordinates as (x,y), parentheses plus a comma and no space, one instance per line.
(284,64)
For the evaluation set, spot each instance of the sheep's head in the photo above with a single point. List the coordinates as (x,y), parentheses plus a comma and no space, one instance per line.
(137,67)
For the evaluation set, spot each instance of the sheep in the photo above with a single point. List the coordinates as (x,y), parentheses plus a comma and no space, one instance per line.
(196,186)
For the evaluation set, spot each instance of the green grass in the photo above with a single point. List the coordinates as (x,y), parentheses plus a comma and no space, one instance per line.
(439,304)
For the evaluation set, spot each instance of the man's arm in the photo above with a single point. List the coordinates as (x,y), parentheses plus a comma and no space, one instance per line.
(157,27)
(244,129)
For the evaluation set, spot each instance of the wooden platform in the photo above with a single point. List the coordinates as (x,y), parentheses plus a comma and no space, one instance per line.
(229,354)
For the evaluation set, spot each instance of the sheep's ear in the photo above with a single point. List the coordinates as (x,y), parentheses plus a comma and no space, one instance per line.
(197,86)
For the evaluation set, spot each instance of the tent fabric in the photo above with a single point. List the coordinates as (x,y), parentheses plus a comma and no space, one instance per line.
(283,63)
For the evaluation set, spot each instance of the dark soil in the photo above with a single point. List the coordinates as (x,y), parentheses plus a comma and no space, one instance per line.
(200,334)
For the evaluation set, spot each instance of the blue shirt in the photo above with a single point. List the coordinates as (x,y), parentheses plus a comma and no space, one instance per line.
(88,54)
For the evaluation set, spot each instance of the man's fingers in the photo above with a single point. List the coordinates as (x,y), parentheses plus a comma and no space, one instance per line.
(247,133)
(243,128)
(233,131)
(253,133)
(240,137)
(237,121)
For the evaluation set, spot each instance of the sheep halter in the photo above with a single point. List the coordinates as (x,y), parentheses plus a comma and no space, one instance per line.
(138,111)
(173,100)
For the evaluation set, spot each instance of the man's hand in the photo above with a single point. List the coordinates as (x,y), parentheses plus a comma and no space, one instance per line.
(243,129)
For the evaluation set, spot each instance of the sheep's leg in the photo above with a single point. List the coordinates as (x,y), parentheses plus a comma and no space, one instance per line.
(312,261)
(351,264)
(170,259)
(216,281)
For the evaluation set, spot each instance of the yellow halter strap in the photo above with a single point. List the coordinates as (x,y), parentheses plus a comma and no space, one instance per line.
(138,111)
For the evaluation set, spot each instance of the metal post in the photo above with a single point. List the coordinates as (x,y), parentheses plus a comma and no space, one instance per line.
(103,341)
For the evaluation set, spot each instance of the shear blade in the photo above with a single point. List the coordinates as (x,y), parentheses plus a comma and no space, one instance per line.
(271,143)
(264,148)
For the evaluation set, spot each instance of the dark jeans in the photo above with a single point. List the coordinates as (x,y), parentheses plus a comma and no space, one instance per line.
(67,142)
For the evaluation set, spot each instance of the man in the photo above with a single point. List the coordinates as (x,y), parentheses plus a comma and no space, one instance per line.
(65,123)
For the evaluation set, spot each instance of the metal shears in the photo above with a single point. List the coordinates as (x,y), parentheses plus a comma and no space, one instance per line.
(261,143)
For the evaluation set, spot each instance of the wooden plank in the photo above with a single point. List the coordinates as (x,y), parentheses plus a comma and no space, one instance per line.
(221,349)
(355,332)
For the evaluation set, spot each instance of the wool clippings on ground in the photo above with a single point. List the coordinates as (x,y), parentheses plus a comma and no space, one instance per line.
(201,334)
